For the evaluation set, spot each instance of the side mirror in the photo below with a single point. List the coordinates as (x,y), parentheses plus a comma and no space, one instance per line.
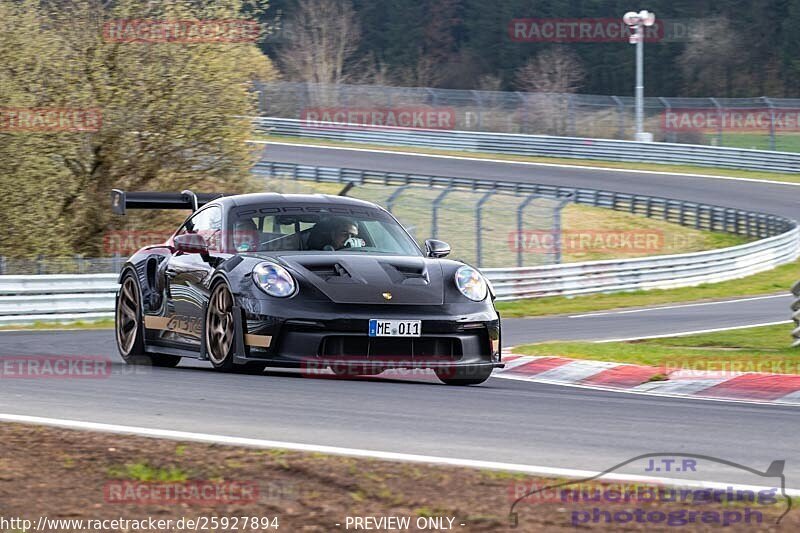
(191,243)
(435,248)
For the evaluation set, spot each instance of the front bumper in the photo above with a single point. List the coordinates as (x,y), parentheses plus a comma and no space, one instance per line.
(326,334)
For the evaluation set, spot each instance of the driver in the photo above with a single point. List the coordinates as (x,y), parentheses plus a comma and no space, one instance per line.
(344,234)
(245,235)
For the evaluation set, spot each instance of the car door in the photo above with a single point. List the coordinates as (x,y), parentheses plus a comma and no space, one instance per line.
(186,274)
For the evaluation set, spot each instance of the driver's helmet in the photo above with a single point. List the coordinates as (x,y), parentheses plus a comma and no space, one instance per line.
(245,235)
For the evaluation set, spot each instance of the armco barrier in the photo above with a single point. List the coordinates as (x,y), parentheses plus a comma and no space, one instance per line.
(796,315)
(660,272)
(537,145)
(92,295)
(51,298)
(56,298)
(689,214)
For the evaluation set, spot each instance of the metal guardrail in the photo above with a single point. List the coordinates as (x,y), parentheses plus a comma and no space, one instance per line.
(796,315)
(660,272)
(563,114)
(56,298)
(537,145)
(690,214)
(25,299)
(52,299)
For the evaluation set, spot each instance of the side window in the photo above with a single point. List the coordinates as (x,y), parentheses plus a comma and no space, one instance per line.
(208,223)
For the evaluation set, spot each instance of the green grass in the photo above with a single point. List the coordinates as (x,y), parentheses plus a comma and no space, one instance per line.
(772,281)
(784,142)
(759,349)
(103,323)
(144,472)
(683,169)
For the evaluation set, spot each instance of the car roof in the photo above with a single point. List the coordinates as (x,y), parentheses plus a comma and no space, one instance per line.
(277,198)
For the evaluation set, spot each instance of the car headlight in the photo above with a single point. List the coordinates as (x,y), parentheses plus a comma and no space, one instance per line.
(274,280)
(471,283)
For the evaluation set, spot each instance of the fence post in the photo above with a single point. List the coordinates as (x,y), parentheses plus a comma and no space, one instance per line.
(479,228)
(771,122)
(668,136)
(524,124)
(620,117)
(571,115)
(557,230)
(719,120)
(387,91)
(476,95)
(391,200)
(520,220)
(435,214)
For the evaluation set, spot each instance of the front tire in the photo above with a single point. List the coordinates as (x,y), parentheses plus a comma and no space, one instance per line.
(220,334)
(129,327)
(464,376)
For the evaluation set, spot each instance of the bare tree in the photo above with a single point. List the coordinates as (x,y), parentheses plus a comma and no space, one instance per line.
(324,37)
(712,58)
(489,82)
(549,76)
(556,70)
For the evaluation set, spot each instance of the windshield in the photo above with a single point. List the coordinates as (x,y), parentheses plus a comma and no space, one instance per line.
(321,229)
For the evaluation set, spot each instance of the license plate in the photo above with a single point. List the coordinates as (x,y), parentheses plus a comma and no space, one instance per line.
(394,328)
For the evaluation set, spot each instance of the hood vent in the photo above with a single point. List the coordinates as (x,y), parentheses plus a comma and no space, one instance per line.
(330,272)
(406,274)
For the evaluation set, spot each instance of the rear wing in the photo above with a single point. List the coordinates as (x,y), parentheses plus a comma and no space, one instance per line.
(121,201)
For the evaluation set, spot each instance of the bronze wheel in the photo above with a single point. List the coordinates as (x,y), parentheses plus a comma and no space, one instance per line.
(127,316)
(219,326)
(130,330)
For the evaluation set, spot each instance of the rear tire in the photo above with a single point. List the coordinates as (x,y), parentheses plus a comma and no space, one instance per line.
(464,376)
(129,327)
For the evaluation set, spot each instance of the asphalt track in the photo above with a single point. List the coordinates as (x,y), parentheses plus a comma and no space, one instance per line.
(502,420)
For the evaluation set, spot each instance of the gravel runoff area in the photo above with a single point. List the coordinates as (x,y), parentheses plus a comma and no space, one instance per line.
(49,474)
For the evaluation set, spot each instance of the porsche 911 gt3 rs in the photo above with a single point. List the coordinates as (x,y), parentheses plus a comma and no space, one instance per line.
(309,281)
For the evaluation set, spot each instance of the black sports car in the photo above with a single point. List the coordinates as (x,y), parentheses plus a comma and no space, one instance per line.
(309,281)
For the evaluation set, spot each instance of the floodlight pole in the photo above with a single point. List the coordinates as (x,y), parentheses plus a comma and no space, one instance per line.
(639,29)
(637,23)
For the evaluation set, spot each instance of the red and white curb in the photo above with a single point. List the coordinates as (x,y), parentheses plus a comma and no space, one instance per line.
(743,386)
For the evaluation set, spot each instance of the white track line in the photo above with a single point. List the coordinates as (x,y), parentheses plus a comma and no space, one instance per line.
(695,332)
(357,452)
(680,306)
(527,163)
